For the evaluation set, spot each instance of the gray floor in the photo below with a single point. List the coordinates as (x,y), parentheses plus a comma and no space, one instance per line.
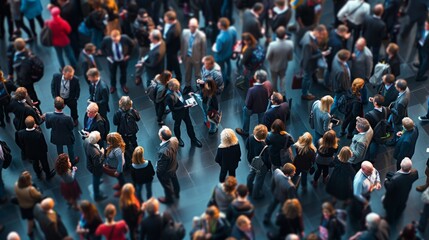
(198,173)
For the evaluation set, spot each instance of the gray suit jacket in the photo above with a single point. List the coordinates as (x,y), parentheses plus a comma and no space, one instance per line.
(399,107)
(354,11)
(198,47)
(359,145)
(167,159)
(340,77)
(362,65)
(310,53)
(279,53)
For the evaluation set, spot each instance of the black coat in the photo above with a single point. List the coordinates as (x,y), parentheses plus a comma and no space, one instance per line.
(167,162)
(154,63)
(62,128)
(389,95)
(56,86)
(254,148)
(172,39)
(98,124)
(101,97)
(397,190)
(281,112)
(228,157)
(395,65)
(373,30)
(94,158)
(340,184)
(251,24)
(151,227)
(32,143)
(176,106)
(142,175)
(21,111)
(277,142)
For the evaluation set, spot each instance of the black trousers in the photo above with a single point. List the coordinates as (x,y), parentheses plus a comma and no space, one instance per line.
(19,23)
(33,25)
(5,13)
(42,160)
(174,66)
(171,186)
(184,116)
(224,171)
(4,113)
(72,104)
(130,145)
(160,110)
(113,67)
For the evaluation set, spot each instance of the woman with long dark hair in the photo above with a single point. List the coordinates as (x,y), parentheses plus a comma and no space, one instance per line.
(354,109)
(210,104)
(115,159)
(89,221)
(70,189)
(279,144)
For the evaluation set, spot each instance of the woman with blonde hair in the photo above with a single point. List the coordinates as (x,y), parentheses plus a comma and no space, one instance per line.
(340,184)
(228,153)
(115,159)
(354,108)
(6,88)
(130,207)
(321,117)
(305,154)
(328,146)
(142,173)
(290,220)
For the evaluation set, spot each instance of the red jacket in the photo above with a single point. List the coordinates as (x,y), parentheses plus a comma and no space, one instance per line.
(60,29)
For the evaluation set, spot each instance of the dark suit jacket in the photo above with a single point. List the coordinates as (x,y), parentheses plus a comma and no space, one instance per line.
(417,9)
(62,128)
(257,98)
(426,42)
(172,39)
(167,162)
(336,43)
(175,105)
(251,24)
(94,158)
(340,77)
(154,63)
(86,63)
(126,43)
(281,19)
(373,30)
(281,112)
(395,65)
(399,108)
(398,188)
(101,97)
(310,53)
(151,227)
(21,111)
(389,95)
(96,125)
(32,143)
(56,87)
(406,144)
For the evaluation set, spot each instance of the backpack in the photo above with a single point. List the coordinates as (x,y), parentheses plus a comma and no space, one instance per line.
(151,90)
(127,124)
(4,94)
(258,57)
(6,154)
(345,103)
(257,162)
(284,152)
(382,131)
(46,36)
(380,69)
(35,66)
(341,219)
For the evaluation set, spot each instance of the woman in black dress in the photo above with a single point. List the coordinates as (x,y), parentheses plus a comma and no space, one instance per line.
(279,144)
(328,146)
(228,153)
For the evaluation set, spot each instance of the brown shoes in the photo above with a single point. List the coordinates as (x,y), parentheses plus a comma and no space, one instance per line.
(308,97)
(421,188)
(125,89)
(112,90)
(138,81)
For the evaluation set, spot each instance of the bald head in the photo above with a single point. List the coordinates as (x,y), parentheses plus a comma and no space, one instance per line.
(378,10)
(13,236)
(193,25)
(155,36)
(372,220)
(47,204)
(367,167)
(406,164)
(360,44)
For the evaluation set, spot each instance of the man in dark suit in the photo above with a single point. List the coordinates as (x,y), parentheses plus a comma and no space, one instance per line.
(171,34)
(33,145)
(153,62)
(67,87)
(374,31)
(21,106)
(152,225)
(167,165)
(62,129)
(256,102)
(117,49)
(282,188)
(407,141)
(98,92)
(399,108)
(309,56)
(423,49)
(278,110)
(388,90)
(417,12)
(87,60)
(340,76)
(390,17)
(93,121)
(251,22)
(94,162)
(337,40)
(180,112)
(398,188)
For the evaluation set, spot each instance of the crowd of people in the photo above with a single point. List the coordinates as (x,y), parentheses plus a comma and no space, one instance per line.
(345,58)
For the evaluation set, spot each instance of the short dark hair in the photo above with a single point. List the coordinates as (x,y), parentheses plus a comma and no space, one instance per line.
(344,54)
(171,15)
(277,97)
(401,84)
(29,122)
(258,7)
(390,78)
(242,190)
(281,32)
(59,103)
(378,99)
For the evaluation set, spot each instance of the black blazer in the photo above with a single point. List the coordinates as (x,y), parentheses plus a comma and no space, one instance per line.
(155,59)
(62,128)
(172,39)
(98,124)
(101,97)
(94,158)
(21,111)
(56,86)
(389,96)
(281,112)
(126,43)
(373,30)
(86,63)
(395,65)
(251,24)
(228,157)
(398,188)
(32,143)
(175,105)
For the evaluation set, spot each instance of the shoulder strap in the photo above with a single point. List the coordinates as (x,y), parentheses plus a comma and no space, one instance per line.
(263,149)
(354,10)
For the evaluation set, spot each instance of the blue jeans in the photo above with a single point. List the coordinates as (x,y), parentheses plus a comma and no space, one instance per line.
(204,107)
(307,80)
(96,37)
(68,50)
(70,150)
(96,185)
(258,178)
(246,118)
(335,104)
(139,188)
(225,67)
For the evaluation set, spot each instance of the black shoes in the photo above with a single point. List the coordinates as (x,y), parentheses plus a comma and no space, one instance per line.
(424,118)
(164,200)
(421,79)
(241,132)
(187,90)
(181,143)
(196,143)
(50,175)
(100,197)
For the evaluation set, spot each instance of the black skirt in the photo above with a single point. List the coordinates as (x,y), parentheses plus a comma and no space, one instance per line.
(27,213)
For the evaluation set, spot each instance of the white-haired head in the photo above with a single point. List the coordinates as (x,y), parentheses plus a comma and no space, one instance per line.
(406,164)
(94,137)
(13,236)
